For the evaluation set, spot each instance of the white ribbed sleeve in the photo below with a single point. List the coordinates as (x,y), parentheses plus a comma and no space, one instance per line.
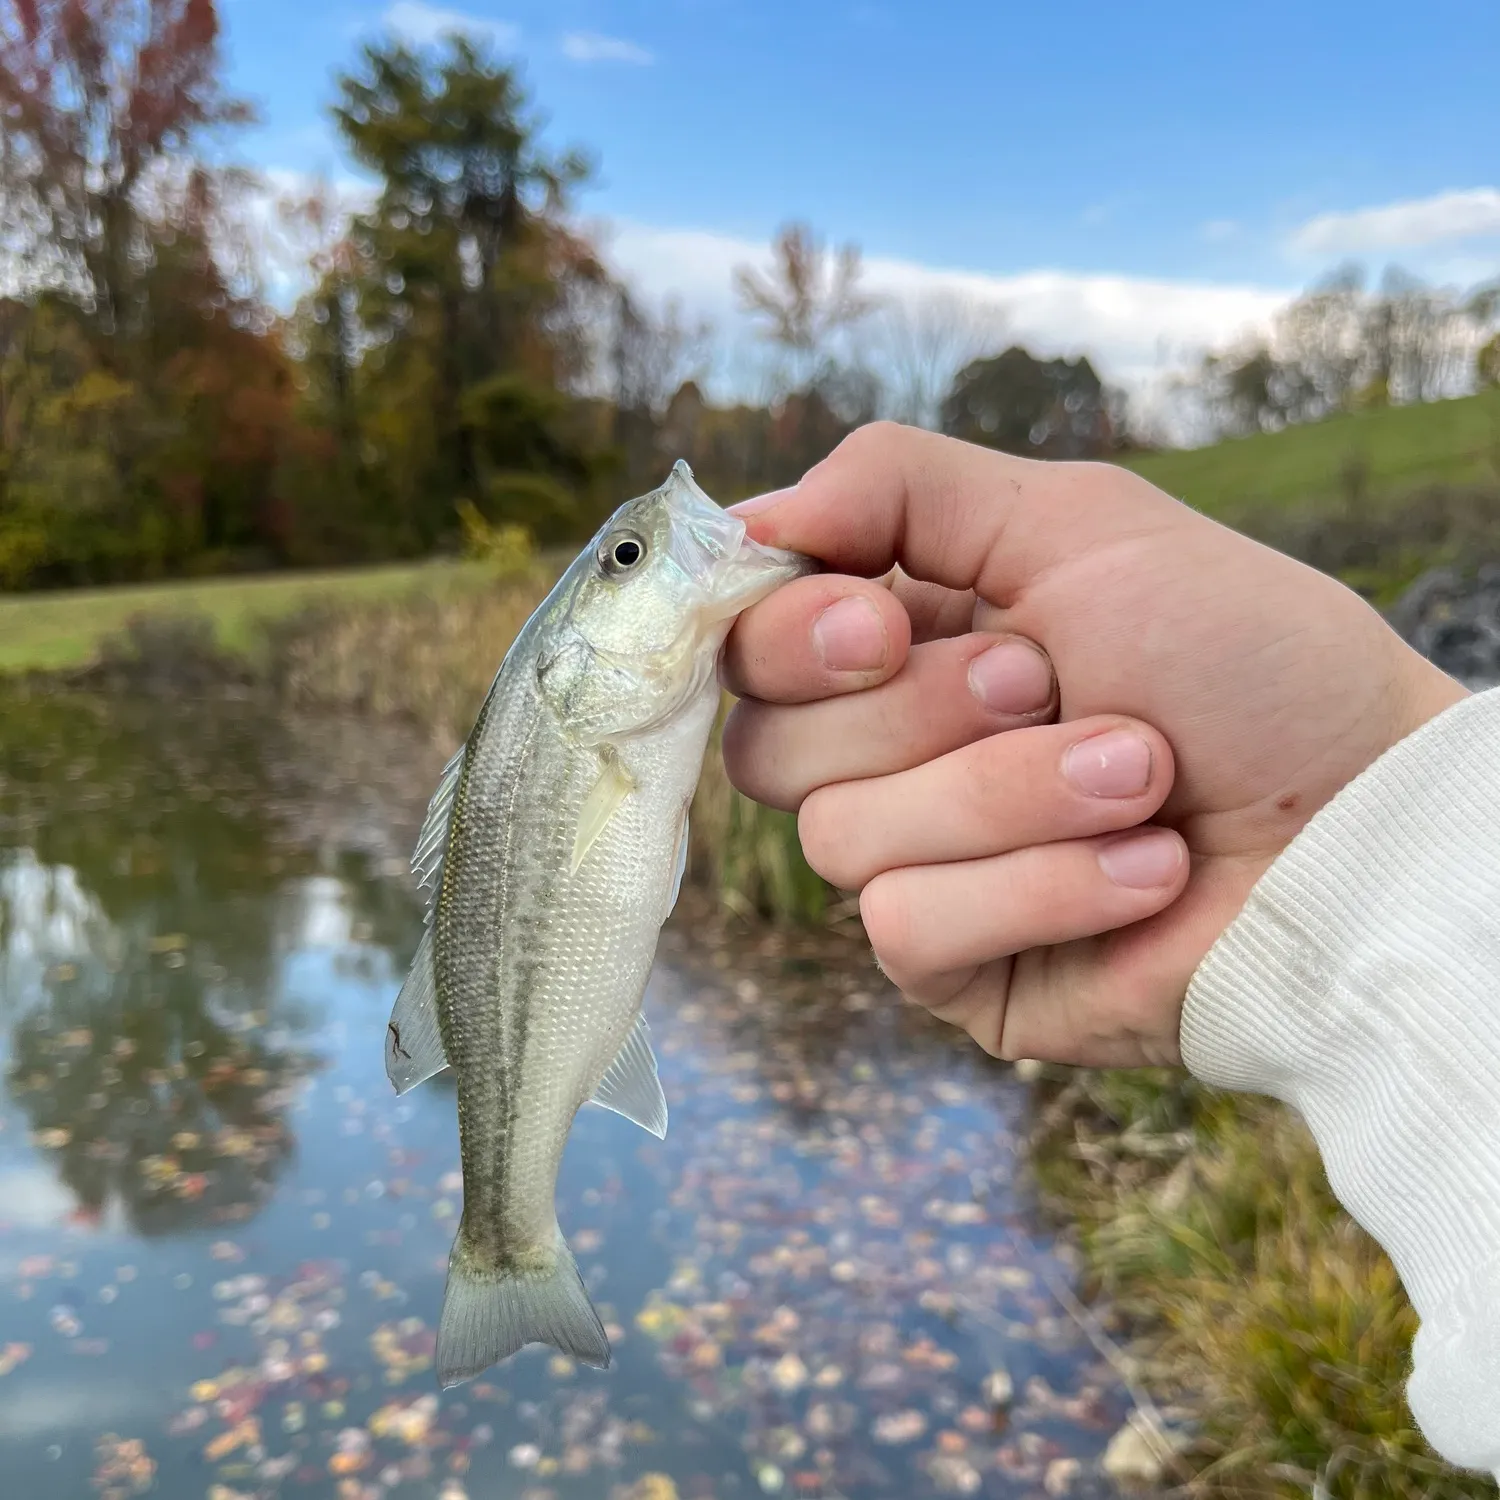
(1361,984)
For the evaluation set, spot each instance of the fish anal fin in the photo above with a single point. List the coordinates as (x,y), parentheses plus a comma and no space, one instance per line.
(614,785)
(632,1087)
(413,1038)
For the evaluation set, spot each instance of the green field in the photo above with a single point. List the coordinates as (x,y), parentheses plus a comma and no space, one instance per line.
(56,630)
(1399,450)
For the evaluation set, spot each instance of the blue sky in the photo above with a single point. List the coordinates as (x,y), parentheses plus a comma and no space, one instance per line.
(1174,144)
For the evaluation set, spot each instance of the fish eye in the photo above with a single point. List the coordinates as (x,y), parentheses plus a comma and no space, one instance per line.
(620,554)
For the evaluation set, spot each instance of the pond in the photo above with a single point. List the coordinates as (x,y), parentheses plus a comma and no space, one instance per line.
(223,1238)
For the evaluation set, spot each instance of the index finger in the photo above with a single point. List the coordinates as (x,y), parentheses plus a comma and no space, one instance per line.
(816,637)
(949,512)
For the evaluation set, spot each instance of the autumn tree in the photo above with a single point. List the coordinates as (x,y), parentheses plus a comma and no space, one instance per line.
(923,341)
(103,103)
(1054,408)
(463,276)
(810,297)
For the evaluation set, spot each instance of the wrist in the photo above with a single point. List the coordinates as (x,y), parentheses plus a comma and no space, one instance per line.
(1419,692)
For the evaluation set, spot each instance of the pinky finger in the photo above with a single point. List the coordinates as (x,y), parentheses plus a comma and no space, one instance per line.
(932,926)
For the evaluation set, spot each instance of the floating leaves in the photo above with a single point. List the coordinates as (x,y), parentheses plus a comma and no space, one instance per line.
(810,1284)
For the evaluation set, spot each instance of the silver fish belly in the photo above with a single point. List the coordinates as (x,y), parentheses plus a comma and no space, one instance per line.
(554,850)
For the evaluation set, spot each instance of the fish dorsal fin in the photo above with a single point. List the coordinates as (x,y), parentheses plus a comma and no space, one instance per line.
(432,843)
(614,785)
(631,1087)
(682,857)
(413,1039)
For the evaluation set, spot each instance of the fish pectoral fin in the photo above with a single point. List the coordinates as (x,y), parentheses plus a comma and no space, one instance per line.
(413,1038)
(614,785)
(631,1087)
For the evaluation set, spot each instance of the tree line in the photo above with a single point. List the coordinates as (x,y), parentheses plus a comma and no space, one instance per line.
(462,346)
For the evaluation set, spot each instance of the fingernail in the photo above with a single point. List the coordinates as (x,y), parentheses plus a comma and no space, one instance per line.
(1142,860)
(1011,679)
(1116,764)
(760,502)
(850,636)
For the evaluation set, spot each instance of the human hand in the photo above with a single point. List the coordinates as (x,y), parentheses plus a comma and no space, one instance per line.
(1202,681)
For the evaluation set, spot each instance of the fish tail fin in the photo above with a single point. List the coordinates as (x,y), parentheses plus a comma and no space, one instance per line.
(490,1313)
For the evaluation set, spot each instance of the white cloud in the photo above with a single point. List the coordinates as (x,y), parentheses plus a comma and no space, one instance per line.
(426,24)
(1141,333)
(1417,221)
(591,47)
(1134,328)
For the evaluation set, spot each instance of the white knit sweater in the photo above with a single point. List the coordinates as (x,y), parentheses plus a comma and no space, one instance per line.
(1361,984)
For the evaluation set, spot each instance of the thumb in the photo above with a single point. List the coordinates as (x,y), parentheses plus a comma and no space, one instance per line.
(951,513)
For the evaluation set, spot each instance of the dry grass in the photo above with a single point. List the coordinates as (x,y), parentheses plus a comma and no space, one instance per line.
(1261,1304)
(432,660)
(427,659)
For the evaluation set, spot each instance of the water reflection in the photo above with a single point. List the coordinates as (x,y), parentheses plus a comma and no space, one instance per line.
(222,1238)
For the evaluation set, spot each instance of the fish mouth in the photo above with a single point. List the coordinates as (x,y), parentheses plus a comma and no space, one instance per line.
(710,547)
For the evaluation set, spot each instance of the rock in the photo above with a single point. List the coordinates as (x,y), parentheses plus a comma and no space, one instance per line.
(1138,1454)
(1027,1069)
(1454,622)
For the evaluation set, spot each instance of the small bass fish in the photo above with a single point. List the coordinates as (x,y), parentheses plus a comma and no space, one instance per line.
(553,851)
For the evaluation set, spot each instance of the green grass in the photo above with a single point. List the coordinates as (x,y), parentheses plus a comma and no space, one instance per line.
(1397,450)
(57,630)
(1329,492)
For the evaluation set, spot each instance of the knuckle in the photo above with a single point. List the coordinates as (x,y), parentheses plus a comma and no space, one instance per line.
(867,442)
(826,834)
(988,781)
(886,910)
(750,757)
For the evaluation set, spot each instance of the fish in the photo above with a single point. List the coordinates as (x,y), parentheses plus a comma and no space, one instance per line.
(552,852)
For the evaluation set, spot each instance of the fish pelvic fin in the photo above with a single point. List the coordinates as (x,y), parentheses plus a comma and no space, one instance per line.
(489,1313)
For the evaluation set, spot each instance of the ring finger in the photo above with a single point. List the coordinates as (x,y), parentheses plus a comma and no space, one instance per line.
(1035,785)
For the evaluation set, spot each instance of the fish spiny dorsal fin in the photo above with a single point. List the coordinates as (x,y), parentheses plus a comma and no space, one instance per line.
(432,843)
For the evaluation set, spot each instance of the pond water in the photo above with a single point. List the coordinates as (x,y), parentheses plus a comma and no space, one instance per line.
(222,1237)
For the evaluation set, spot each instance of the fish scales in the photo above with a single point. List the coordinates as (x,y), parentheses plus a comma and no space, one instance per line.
(553,849)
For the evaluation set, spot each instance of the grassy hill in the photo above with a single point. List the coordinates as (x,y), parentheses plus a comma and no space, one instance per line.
(1385,454)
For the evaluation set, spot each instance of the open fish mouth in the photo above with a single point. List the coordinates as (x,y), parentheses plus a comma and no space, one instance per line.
(709,547)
